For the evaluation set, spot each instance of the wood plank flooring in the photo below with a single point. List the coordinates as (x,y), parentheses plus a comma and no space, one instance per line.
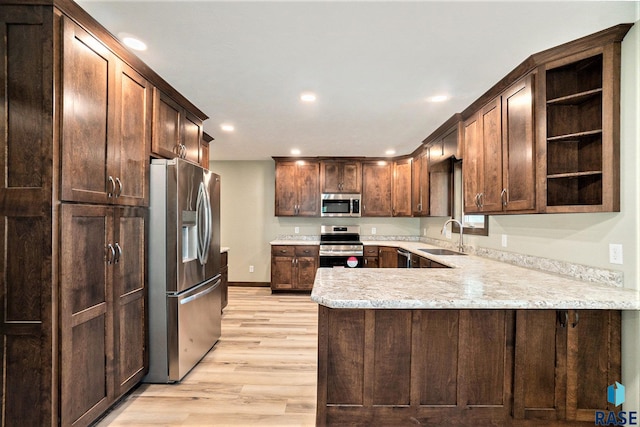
(261,372)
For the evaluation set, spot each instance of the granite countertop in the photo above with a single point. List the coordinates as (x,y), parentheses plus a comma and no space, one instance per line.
(471,282)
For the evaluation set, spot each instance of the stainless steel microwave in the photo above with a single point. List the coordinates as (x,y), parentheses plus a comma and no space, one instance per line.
(340,205)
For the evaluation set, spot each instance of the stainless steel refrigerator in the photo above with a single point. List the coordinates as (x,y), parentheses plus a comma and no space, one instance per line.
(185,295)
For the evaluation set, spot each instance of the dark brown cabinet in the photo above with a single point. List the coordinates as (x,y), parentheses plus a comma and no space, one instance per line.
(418,261)
(401,190)
(106,124)
(582,141)
(102,337)
(176,131)
(377,180)
(224,272)
(293,267)
(340,176)
(77,119)
(420,184)
(370,258)
(297,188)
(388,257)
(499,153)
(564,361)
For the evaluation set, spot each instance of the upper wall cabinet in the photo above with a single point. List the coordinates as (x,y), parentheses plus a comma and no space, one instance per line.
(402,187)
(297,191)
(420,184)
(176,132)
(582,137)
(499,153)
(341,176)
(104,149)
(377,180)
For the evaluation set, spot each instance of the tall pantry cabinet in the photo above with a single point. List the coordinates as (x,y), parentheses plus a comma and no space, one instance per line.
(76,128)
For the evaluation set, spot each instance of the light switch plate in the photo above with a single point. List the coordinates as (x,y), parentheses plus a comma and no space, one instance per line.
(296,230)
(373,230)
(615,253)
(504,240)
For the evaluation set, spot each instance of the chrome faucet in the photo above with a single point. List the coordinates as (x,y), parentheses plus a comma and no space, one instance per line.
(444,230)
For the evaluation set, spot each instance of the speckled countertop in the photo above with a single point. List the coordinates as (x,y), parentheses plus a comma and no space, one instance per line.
(472,282)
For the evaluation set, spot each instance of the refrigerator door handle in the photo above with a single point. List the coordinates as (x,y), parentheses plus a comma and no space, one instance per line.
(208,221)
(202,226)
(201,293)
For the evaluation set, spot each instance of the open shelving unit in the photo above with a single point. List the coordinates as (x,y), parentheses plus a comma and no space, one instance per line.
(575,162)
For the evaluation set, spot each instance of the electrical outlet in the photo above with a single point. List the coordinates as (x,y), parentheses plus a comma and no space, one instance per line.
(251,269)
(615,253)
(373,230)
(296,230)
(504,240)
(424,231)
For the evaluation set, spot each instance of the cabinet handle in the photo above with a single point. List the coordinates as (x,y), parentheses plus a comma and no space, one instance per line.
(563,318)
(480,197)
(477,201)
(577,319)
(119,193)
(283,251)
(112,253)
(504,196)
(113,187)
(119,253)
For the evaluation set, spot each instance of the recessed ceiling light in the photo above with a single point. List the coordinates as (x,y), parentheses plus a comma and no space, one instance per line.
(295,152)
(132,42)
(390,152)
(308,97)
(227,127)
(438,98)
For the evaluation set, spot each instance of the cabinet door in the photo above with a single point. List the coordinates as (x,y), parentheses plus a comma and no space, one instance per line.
(376,188)
(308,188)
(472,165)
(491,183)
(352,177)
(167,119)
(86,312)
(191,137)
(402,188)
(518,147)
(331,176)
(129,283)
(87,122)
(286,191)
(388,257)
(593,361)
(282,272)
(540,365)
(306,267)
(420,185)
(130,159)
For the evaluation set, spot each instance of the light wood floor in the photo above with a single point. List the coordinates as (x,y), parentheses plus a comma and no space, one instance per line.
(261,372)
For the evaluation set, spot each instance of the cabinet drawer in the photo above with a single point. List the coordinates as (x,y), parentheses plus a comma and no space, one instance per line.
(370,251)
(307,250)
(283,250)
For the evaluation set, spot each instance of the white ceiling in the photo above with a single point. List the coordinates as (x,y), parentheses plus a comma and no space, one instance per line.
(372,64)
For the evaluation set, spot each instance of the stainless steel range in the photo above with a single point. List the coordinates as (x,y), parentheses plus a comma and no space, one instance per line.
(340,246)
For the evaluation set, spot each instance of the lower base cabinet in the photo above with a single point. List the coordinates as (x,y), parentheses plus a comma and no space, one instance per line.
(465,367)
(102,308)
(293,268)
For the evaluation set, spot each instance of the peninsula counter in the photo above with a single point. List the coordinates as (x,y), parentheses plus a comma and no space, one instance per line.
(480,343)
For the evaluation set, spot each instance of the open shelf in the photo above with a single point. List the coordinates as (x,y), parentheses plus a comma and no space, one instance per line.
(575,133)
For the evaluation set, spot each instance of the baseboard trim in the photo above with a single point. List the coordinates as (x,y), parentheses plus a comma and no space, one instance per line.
(251,284)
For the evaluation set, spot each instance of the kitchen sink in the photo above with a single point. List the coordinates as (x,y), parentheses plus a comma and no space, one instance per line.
(438,251)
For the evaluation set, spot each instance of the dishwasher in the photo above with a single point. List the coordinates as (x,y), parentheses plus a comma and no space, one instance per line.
(404,259)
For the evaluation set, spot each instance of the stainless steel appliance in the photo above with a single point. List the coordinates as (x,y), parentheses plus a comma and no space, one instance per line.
(340,205)
(340,246)
(404,259)
(185,295)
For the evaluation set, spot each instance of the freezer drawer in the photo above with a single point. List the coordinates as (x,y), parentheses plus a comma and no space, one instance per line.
(189,328)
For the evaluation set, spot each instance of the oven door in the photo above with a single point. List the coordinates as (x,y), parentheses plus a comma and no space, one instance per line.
(346,261)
